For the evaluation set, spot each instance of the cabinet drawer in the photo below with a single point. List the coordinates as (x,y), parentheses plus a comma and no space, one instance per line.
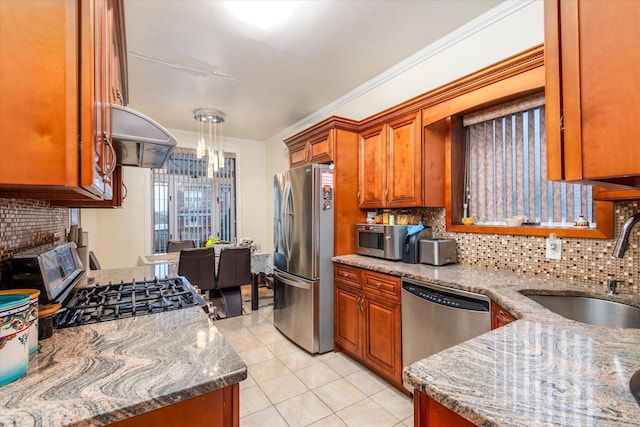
(382,284)
(347,275)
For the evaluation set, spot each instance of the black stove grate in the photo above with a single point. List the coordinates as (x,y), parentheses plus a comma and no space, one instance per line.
(122,300)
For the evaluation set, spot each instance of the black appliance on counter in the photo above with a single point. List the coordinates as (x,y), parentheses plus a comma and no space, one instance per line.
(411,248)
(57,274)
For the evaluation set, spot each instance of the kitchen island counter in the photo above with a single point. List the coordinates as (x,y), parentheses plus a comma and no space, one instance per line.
(101,373)
(539,370)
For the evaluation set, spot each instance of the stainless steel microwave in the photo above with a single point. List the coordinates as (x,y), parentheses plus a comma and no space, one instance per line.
(381,241)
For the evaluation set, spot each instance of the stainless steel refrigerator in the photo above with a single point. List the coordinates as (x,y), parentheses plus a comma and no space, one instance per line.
(303,248)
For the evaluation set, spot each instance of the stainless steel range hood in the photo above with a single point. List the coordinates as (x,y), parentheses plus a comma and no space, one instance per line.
(138,140)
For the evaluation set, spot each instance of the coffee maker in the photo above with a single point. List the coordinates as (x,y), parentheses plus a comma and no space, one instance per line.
(411,248)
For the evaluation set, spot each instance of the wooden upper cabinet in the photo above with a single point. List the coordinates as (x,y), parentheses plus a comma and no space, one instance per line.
(55,60)
(312,149)
(390,164)
(372,168)
(404,161)
(592,91)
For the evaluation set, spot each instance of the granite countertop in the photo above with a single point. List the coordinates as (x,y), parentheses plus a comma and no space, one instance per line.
(541,370)
(100,373)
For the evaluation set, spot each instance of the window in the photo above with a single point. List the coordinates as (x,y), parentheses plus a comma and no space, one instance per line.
(506,169)
(190,206)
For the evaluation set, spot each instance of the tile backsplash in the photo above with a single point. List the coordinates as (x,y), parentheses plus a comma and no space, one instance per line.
(582,259)
(28,224)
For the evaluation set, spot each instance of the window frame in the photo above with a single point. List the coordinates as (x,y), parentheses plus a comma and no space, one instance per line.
(516,77)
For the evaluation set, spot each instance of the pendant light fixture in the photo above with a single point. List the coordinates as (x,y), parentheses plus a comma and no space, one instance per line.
(210,138)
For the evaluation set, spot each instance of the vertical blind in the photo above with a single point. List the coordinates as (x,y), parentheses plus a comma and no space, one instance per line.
(507,168)
(190,206)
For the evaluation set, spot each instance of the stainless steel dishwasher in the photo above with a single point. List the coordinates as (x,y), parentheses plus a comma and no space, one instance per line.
(435,318)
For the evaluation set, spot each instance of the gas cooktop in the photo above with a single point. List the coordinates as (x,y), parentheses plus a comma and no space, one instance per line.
(122,300)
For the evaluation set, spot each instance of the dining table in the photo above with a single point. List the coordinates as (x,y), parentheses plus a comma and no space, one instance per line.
(166,265)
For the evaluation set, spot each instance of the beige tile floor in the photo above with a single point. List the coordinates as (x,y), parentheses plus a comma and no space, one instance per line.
(286,386)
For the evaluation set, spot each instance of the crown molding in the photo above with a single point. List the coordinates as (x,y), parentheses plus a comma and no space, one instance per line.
(456,36)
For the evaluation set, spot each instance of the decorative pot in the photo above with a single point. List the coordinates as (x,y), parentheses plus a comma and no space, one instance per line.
(14,336)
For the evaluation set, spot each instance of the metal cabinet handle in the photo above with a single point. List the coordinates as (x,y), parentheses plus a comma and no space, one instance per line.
(112,162)
(386,195)
(126,190)
(378,285)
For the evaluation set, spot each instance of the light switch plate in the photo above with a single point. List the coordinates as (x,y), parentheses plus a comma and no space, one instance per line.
(554,253)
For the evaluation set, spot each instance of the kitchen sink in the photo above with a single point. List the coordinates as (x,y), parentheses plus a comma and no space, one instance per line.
(590,310)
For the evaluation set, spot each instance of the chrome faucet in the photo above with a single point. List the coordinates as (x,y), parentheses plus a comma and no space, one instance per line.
(623,238)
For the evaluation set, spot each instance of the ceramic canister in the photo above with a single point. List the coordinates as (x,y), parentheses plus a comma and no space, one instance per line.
(33,315)
(14,336)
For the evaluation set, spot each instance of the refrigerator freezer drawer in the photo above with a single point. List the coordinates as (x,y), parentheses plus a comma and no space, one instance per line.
(295,306)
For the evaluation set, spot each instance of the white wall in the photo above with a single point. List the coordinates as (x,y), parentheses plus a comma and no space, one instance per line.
(504,31)
(119,236)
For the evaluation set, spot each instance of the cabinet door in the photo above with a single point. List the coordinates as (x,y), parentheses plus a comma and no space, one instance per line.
(39,87)
(348,324)
(321,148)
(298,155)
(372,172)
(382,343)
(404,161)
(592,81)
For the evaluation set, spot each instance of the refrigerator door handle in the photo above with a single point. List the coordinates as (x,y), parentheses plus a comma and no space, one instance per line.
(295,283)
(288,219)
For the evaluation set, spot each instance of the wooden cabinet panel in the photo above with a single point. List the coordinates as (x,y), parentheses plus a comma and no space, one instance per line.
(367,321)
(383,337)
(316,148)
(65,140)
(500,316)
(372,169)
(348,320)
(321,149)
(602,193)
(334,139)
(594,88)
(298,156)
(347,275)
(381,284)
(404,161)
(390,160)
(220,408)
(429,413)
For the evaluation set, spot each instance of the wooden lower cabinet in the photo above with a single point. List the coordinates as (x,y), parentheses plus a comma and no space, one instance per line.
(499,316)
(367,324)
(429,413)
(220,408)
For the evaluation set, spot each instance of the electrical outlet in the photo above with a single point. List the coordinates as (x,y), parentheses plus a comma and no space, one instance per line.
(554,252)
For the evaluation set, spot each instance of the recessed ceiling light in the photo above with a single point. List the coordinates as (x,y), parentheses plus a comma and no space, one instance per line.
(262,14)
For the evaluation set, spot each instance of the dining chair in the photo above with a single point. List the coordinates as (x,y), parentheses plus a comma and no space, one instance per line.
(198,266)
(234,270)
(178,245)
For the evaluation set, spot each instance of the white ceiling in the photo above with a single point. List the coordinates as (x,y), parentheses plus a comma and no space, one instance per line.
(184,55)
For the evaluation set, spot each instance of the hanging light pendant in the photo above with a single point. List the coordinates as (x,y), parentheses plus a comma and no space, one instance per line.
(210,138)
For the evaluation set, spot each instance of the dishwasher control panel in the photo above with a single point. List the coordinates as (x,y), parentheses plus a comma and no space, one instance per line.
(434,294)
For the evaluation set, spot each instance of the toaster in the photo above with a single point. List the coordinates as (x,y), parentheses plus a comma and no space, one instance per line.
(438,251)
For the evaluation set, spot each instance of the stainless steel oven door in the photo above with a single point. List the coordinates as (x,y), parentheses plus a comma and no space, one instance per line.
(295,309)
